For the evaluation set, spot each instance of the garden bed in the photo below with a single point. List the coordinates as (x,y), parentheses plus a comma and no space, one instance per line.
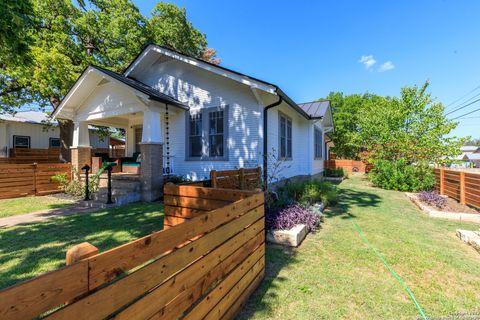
(452,210)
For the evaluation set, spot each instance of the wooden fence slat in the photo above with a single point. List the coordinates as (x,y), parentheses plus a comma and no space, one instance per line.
(109,264)
(253,265)
(33,297)
(99,304)
(148,306)
(180,303)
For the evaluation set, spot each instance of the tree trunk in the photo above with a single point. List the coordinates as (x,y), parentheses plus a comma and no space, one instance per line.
(66,139)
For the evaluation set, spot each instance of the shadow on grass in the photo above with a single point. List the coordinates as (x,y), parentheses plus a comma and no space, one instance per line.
(276,257)
(348,198)
(29,249)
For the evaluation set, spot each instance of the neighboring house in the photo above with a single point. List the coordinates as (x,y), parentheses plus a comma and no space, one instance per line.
(470,156)
(28,129)
(198,116)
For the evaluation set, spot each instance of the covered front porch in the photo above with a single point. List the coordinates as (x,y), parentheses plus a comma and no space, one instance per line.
(104,98)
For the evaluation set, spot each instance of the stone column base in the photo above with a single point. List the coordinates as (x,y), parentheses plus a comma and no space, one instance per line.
(151,171)
(80,157)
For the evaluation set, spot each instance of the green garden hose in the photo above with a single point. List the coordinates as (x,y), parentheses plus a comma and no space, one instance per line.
(394,274)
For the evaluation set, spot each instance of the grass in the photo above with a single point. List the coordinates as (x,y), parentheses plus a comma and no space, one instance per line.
(31,249)
(13,207)
(334,275)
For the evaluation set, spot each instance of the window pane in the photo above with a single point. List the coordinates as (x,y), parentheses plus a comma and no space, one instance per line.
(283,152)
(196,146)
(216,145)
(195,139)
(21,142)
(54,143)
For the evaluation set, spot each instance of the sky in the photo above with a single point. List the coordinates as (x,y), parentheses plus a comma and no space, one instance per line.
(309,48)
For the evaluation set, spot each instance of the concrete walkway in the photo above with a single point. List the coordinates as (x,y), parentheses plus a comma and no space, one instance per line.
(77,208)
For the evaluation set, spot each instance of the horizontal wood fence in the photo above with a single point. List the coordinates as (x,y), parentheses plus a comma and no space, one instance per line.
(19,180)
(203,268)
(24,155)
(462,186)
(242,179)
(348,165)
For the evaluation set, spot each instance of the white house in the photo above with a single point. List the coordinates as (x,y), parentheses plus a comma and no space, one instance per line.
(197,117)
(470,156)
(28,129)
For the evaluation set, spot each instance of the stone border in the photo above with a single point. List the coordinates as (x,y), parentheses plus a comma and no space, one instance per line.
(458,216)
(470,237)
(292,237)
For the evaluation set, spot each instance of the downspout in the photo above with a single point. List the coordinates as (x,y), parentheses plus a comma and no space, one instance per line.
(265,140)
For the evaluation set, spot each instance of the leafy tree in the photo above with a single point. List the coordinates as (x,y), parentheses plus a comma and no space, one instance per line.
(346,113)
(471,142)
(62,37)
(412,127)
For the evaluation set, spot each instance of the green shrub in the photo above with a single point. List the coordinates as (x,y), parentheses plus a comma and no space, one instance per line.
(309,192)
(401,176)
(75,186)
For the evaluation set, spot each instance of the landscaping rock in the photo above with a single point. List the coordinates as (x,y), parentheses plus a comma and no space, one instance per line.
(470,237)
(292,237)
(334,179)
(318,208)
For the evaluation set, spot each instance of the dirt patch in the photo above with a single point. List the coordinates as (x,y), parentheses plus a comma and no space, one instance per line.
(454,206)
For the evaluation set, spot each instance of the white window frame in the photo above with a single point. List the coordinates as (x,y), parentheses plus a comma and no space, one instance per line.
(19,136)
(284,154)
(317,145)
(205,134)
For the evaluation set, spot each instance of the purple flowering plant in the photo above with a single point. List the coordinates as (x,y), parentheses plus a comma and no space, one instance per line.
(287,217)
(433,199)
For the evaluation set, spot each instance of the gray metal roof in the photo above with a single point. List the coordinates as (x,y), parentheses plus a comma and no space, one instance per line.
(151,92)
(315,109)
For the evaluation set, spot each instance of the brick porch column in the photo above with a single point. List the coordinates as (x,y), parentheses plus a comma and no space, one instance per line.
(80,157)
(81,150)
(151,170)
(151,148)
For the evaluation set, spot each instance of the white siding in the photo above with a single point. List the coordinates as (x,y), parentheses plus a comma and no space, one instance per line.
(302,143)
(201,89)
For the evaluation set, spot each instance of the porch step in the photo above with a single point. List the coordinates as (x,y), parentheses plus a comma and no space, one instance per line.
(123,191)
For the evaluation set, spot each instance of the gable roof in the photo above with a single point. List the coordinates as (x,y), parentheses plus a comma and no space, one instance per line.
(152,93)
(220,70)
(315,109)
(35,117)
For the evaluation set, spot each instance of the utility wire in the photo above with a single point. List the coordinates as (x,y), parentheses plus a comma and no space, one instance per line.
(466,114)
(473,90)
(462,107)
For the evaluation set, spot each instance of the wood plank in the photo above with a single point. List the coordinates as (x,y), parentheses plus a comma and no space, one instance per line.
(154,301)
(207,193)
(33,297)
(193,203)
(229,299)
(183,212)
(173,221)
(184,300)
(242,300)
(253,265)
(107,265)
(109,299)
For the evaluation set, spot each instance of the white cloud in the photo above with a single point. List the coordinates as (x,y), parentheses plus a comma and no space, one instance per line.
(386,66)
(367,61)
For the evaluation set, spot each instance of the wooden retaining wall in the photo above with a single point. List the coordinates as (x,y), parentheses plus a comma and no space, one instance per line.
(19,180)
(203,268)
(462,186)
(242,179)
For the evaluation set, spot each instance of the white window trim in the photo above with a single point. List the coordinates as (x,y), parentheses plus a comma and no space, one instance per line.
(205,135)
(287,118)
(21,136)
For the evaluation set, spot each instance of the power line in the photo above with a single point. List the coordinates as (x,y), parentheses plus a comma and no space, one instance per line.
(470,118)
(474,89)
(462,107)
(466,114)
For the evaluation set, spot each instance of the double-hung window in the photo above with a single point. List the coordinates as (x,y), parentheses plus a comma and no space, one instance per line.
(317,143)
(285,136)
(21,141)
(207,134)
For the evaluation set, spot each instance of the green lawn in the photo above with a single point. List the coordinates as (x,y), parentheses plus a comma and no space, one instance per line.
(13,207)
(29,250)
(334,275)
